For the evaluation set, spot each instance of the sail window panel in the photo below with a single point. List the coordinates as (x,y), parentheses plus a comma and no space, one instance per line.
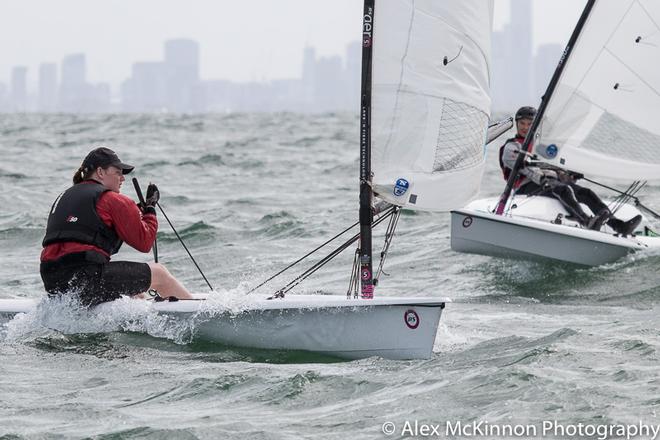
(460,137)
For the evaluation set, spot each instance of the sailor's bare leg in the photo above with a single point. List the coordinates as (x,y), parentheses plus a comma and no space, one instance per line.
(165,284)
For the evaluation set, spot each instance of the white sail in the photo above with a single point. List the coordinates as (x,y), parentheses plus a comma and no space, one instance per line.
(603,118)
(430,100)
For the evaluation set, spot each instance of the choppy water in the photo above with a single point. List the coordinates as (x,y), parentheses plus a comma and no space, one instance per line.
(522,343)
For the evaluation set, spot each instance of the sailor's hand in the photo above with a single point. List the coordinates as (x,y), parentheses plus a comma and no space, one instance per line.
(546,183)
(153,195)
(565,177)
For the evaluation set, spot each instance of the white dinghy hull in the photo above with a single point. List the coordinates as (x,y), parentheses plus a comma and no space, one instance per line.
(478,231)
(392,328)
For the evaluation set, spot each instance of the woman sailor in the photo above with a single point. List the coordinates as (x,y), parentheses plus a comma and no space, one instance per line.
(88,223)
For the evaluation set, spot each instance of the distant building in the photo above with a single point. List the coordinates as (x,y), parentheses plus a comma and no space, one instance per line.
(329,87)
(545,62)
(18,97)
(146,89)
(521,28)
(47,95)
(309,76)
(353,75)
(511,66)
(74,90)
(182,67)
(4,98)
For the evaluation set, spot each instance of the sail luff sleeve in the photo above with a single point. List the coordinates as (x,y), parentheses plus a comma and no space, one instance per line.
(366,195)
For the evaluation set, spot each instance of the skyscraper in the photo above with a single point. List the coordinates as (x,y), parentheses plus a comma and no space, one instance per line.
(511,79)
(545,63)
(146,90)
(182,65)
(18,91)
(47,87)
(73,87)
(521,30)
(4,99)
(308,75)
(353,74)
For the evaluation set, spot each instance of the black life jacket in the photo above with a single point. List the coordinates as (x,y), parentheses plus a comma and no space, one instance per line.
(73,217)
(505,170)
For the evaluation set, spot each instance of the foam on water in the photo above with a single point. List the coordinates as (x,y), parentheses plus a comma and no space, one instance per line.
(65,315)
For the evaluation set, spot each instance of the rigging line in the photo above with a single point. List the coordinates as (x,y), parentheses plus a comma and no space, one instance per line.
(630,192)
(604,186)
(300,278)
(184,245)
(618,201)
(303,257)
(647,209)
(325,260)
(633,72)
(577,87)
(353,283)
(389,235)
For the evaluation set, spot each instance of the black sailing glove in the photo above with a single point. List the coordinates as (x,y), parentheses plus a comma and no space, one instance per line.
(153,195)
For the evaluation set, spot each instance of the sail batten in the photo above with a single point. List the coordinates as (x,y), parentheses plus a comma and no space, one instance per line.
(430,101)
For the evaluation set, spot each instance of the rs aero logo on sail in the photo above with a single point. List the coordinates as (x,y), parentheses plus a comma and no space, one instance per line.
(401,187)
(367,27)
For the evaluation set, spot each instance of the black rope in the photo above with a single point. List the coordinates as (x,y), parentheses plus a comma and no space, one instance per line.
(353,283)
(638,203)
(300,278)
(184,245)
(304,256)
(389,235)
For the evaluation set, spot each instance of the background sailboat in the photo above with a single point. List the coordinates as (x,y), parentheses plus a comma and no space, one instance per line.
(598,118)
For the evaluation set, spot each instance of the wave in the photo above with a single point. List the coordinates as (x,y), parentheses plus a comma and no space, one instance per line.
(206,160)
(196,232)
(12,174)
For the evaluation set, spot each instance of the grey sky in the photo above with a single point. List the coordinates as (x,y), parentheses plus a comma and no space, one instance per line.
(239,40)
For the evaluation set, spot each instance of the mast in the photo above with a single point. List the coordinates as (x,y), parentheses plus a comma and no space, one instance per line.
(366,195)
(544,103)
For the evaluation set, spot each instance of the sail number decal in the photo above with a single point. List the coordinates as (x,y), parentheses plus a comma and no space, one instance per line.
(411,319)
(400,187)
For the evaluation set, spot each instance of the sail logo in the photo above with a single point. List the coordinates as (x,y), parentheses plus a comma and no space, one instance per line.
(367,26)
(551,151)
(401,187)
(411,319)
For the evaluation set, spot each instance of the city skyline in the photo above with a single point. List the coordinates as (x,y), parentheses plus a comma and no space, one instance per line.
(241,43)
(173,81)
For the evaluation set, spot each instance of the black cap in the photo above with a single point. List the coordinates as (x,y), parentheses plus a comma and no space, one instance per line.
(104,157)
(525,113)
